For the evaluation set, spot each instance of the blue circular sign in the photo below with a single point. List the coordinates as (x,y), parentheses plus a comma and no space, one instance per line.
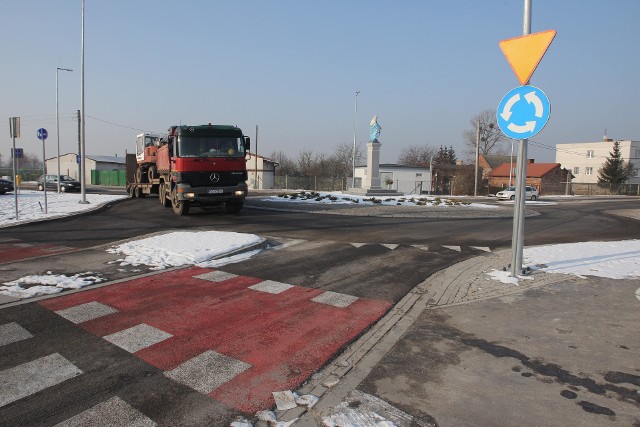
(42,134)
(523,112)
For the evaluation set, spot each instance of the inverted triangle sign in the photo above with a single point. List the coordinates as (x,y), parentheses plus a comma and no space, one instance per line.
(525,52)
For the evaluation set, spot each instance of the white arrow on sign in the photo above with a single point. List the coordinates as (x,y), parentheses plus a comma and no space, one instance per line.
(528,127)
(506,112)
(532,98)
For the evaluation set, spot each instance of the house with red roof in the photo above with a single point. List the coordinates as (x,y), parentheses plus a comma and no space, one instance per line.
(548,178)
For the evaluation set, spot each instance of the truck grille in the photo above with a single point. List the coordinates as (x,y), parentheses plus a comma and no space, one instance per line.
(203,179)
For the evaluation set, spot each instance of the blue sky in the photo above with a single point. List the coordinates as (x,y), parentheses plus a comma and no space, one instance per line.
(292,68)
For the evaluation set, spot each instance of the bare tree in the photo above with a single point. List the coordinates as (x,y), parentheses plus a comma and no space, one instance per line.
(417,155)
(491,137)
(342,159)
(286,166)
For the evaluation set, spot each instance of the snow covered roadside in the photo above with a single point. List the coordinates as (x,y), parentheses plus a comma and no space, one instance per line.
(338,197)
(31,205)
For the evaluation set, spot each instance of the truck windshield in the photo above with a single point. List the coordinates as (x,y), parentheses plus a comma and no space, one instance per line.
(210,146)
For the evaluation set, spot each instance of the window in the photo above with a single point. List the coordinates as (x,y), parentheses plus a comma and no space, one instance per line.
(590,154)
(634,172)
(418,175)
(637,156)
(588,171)
(576,170)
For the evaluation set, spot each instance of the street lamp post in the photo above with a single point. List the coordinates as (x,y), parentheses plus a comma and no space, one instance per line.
(58,122)
(355,124)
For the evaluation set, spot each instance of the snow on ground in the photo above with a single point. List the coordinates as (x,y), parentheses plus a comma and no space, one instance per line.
(37,285)
(614,260)
(31,205)
(182,248)
(337,197)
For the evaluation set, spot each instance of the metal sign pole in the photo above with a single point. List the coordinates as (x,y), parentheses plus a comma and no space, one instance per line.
(44,177)
(517,241)
(14,125)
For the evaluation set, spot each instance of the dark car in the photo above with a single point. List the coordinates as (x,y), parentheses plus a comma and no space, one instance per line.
(5,186)
(66,183)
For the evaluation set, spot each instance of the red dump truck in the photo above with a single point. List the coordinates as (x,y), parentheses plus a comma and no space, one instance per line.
(191,166)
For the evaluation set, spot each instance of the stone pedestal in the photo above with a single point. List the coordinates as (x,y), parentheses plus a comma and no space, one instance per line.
(371,182)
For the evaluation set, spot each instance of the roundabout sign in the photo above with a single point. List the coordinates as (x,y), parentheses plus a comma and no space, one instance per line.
(523,112)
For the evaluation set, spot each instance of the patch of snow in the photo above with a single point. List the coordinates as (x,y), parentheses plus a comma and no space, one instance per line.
(38,285)
(181,248)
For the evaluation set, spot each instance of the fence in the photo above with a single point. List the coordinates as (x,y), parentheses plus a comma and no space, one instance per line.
(603,189)
(117,178)
(25,174)
(317,183)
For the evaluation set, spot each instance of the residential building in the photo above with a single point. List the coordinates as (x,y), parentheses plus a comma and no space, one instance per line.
(488,163)
(584,159)
(547,178)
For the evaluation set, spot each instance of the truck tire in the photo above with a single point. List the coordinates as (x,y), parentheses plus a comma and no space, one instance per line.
(152,173)
(233,206)
(139,193)
(163,195)
(180,207)
(141,175)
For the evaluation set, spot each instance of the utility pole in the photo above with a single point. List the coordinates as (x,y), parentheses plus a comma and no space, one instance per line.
(79,144)
(255,180)
(475,180)
(355,124)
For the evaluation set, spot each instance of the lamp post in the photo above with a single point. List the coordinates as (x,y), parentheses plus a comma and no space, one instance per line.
(83,181)
(58,122)
(355,123)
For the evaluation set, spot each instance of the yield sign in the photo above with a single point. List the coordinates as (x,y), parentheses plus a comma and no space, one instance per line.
(524,53)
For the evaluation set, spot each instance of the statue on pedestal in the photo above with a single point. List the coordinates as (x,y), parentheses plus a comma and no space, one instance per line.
(374,129)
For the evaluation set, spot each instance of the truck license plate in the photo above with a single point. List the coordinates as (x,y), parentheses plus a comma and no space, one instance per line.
(215,190)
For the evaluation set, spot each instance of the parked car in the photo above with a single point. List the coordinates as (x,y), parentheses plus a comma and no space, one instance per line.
(5,186)
(66,183)
(509,193)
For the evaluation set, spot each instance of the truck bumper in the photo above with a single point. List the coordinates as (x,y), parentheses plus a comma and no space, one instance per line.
(211,195)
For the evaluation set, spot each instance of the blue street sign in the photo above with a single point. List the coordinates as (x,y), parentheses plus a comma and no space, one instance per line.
(19,153)
(523,112)
(78,158)
(42,134)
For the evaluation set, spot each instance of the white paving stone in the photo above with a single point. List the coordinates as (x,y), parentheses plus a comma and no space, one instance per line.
(138,337)
(335,299)
(216,276)
(208,371)
(32,377)
(113,412)
(271,287)
(12,332)
(85,312)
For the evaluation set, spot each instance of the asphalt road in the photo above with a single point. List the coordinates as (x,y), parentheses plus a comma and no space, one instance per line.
(375,260)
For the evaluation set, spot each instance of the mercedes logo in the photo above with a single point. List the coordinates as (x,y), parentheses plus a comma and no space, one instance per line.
(214,177)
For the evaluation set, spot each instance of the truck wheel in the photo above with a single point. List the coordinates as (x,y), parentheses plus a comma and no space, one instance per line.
(233,207)
(141,176)
(152,173)
(163,195)
(139,193)
(180,207)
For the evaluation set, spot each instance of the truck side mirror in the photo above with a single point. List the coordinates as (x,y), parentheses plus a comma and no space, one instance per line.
(247,143)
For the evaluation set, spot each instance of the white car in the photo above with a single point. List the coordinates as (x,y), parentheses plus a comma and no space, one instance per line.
(509,193)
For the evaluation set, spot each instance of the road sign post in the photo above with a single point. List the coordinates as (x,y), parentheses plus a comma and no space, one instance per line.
(523,54)
(14,130)
(42,135)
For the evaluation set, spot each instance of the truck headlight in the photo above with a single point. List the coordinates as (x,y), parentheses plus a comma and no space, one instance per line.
(239,193)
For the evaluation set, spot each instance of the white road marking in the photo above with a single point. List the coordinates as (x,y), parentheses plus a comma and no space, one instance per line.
(113,412)
(453,248)
(357,245)
(481,248)
(12,332)
(271,287)
(207,371)
(423,247)
(84,312)
(216,276)
(335,299)
(35,376)
(638,293)
(389,245)
(137,337)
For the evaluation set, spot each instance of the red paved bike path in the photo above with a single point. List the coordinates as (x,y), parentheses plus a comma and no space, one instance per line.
(285,337)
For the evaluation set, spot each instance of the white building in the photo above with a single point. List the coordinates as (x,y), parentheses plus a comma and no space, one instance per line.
(584,159)
(406,179)
(70,166)
(261,172)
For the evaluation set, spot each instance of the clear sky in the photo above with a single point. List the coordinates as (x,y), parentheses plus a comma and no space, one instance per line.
(292,67)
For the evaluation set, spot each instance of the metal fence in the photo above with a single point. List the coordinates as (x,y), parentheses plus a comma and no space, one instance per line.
(603,189)
(24,174)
